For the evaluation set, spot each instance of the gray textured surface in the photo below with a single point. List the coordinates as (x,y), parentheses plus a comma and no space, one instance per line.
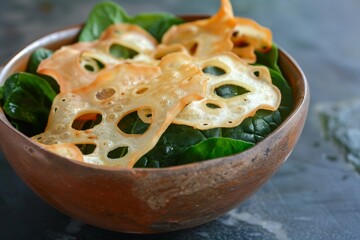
(315,195)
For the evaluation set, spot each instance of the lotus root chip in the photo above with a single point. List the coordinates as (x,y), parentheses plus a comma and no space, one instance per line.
(166,96)
(215,111)
(77,65)
(207,36)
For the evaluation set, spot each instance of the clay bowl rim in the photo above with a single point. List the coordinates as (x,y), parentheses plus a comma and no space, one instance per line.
(71,32)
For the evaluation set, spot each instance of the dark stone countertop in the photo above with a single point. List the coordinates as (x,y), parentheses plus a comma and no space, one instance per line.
(314,195)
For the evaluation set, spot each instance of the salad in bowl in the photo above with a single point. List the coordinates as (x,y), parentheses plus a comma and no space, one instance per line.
(154,122)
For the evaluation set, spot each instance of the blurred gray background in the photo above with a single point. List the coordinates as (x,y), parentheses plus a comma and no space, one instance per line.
(315,195)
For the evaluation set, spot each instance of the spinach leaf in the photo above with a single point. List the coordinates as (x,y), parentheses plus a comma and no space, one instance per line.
(119,51)
(213,148)
(286,92)
(269,59)
(107,13)
(35,59)
(170,146)
(213,132)
(1,93)
(229,91)
(132,124)
(145,162)
(213,70)
(27,100)
(256,128)
(102,15)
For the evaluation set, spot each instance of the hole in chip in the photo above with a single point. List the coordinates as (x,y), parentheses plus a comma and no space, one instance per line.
(214,70)
(86,121)
(118,152)
(193,47)
(230,90)
(132,124)
(141,90)
(105,93)
(235,33)
(240,43)
(119,51)
(91,64)
(212,105)
(86,149)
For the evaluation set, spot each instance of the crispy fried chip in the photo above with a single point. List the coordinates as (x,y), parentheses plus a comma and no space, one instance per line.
(129,35)
(67,150)
(249,36)
(215,110)
(132,75)
(165,96)
(77,65)
(65,67)
(222,32)
(207,36)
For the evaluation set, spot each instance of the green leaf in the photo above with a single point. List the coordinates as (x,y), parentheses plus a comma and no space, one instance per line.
(170,146)
(269,59)
(230,90)
(213,148)
(26,128)
(119,51)
(102,15)
(107,13)
(213,132)
(35,85)
(145,162)
(35,59)
(28,99)
(1,93)
(255,129)
(213,70)
(286,92)
(132,124)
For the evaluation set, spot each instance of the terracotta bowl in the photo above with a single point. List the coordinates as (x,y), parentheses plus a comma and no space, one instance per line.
(149,200)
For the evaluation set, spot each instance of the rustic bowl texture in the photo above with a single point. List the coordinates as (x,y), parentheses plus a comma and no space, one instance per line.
(149,200)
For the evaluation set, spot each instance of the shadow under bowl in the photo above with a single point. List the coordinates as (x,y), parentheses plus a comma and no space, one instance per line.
(149,200)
